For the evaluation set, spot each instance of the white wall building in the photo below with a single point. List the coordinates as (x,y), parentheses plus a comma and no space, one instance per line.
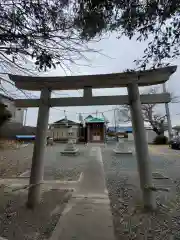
(59,130)
(150,134)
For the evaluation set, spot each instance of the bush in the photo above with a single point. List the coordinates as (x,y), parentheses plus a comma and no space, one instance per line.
(5,114)
(160,139)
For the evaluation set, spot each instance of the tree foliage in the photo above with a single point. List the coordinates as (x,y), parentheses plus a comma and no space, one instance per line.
(42,29)
(152,20)
(5,115)
(53,32)
(160,139)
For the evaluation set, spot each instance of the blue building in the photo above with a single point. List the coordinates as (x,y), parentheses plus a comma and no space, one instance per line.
(123,129)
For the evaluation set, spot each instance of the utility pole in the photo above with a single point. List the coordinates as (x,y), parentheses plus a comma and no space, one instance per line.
(105,127)
(115,122)
(81,125)
(66,120)
(96,112)
(168,115)
(25,117)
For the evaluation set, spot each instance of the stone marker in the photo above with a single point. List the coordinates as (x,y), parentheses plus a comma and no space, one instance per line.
(122,147)
(70,148)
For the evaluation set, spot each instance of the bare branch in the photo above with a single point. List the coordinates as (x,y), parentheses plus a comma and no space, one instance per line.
(149,111)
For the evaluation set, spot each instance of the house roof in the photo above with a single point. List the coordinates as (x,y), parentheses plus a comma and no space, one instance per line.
(95,120)
(125,129)
(120,129)
(88,117)
(64,122)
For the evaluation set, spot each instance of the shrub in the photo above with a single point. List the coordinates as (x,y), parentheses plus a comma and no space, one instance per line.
(160,139)
(5,114)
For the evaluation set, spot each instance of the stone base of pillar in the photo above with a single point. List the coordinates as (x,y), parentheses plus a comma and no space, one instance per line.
(122,148)
(70,149)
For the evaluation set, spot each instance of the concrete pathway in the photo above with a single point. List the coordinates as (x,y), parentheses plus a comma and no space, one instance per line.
(88,215)
(93,177)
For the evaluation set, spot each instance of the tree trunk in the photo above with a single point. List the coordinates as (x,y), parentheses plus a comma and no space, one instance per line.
(155,129)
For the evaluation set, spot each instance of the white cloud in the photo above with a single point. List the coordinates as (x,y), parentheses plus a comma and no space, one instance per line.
(119,57)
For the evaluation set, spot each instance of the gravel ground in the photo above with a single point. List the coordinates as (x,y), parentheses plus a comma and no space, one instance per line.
(19,223)
(15,162)
(123,186)
(62,167)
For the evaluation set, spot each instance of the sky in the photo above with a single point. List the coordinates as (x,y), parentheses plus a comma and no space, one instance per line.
(118,55)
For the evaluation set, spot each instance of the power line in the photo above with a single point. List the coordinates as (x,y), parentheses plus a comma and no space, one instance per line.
(61,94)
(32,96)
(84,113)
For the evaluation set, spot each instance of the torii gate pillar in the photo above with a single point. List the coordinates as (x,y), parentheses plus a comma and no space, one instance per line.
(131,80)
(141,146)
(37,167)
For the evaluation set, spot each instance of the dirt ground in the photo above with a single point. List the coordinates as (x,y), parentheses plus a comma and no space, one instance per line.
(19,223)
(163,150)
(13,162)
(56,167)
(122,181)
(130,221)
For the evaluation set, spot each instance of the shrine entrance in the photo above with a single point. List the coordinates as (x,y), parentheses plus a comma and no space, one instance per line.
(95,128)
(131,80)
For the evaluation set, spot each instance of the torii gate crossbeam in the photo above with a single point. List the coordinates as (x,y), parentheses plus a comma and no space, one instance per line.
(131,80)
(94,101)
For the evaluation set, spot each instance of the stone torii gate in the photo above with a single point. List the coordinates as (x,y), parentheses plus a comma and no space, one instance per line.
(131,80)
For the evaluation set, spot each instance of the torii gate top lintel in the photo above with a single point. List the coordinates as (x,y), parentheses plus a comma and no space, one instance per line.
(131,80)
(143,78)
